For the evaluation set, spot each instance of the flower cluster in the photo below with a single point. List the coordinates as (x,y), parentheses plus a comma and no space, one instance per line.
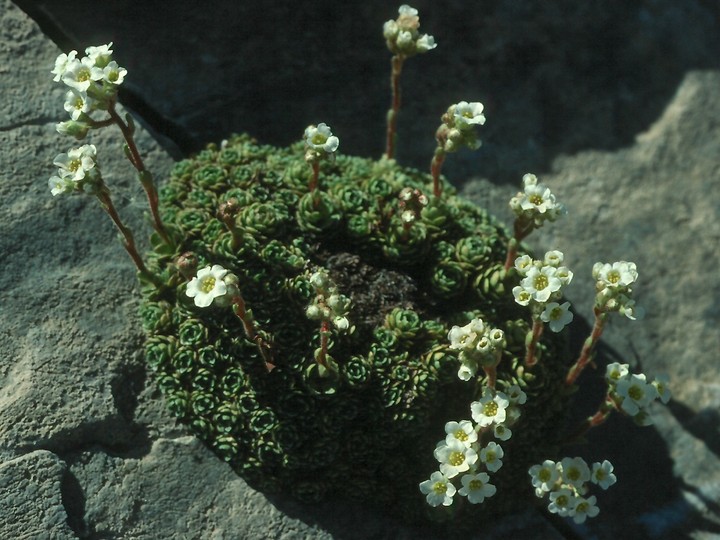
(536,204)
(541,287)
(613,285)
(93,81)
(467,454)
(632,393)
(479,345)
(328,305)
(566,484)
(77,171)
(458,126)
(212,284)
(402,34)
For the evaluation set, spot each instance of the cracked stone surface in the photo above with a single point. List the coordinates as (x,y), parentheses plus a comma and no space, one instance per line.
(624,126)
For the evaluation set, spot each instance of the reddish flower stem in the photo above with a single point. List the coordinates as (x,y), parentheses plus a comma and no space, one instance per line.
(128,241)
(590,422)
(144,175)
(537,330)
(396,64)
(435,167)
(588,348)
(238,306)
(324,338)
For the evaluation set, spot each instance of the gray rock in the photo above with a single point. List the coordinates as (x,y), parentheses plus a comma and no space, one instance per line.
(32,497)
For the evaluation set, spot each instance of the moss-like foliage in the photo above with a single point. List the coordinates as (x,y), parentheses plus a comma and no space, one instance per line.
(368,432)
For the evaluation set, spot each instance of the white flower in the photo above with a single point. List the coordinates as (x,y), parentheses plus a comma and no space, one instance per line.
(407,11)
(80,75)
(660,383)
(62,63)
(502,432)
(564,274)
(207,285)
(77,103)
(465,337)
(100,55)
(529,180)
(636,393)
(60,186)
(522,296)
(114,74)
(616,275)
(491,408)
(615,372)
(558,316)
(462,431)
(523,263)
(562,501)
(438,489)
(584,508)
(467,369)
(516,395)
(321,138)
(602,474)
(425,43)
(455,457)
(540,283)
(467,115)
(537,198)
(575,471)
(476,487)
(544,476)
(491,456)
(77,162)
(553,258)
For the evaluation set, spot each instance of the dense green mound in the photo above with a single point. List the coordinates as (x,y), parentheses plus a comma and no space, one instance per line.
(368,433)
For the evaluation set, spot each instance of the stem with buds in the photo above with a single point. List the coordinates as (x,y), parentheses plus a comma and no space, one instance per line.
(238,307)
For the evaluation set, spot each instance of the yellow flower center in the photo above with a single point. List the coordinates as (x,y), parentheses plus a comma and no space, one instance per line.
(545,475)
(573,474)
(490,408)
(74,165)
(439,487)
(475,484)
(318,138)
(562,500)
(113,76)
(207,285)
(635,393)
(461,436)
(613,277)
(536,199)
(456,459)
(541,282)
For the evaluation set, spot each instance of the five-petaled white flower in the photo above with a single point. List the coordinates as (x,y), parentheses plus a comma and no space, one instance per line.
(77,162)
(540,283)
(616,275)
(602,474)
(584,508)
(207,285)
(557,315)
(476,487)
(492,456)
(455,457)
(491,408)
(77,103)
(462,431)
(575,471)
(321,138)
(562,502)
(635,392)
(62,63)
(545,475)
(438,490)
(467,114)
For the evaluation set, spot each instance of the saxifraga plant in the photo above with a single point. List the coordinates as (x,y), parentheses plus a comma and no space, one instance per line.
(320,320)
